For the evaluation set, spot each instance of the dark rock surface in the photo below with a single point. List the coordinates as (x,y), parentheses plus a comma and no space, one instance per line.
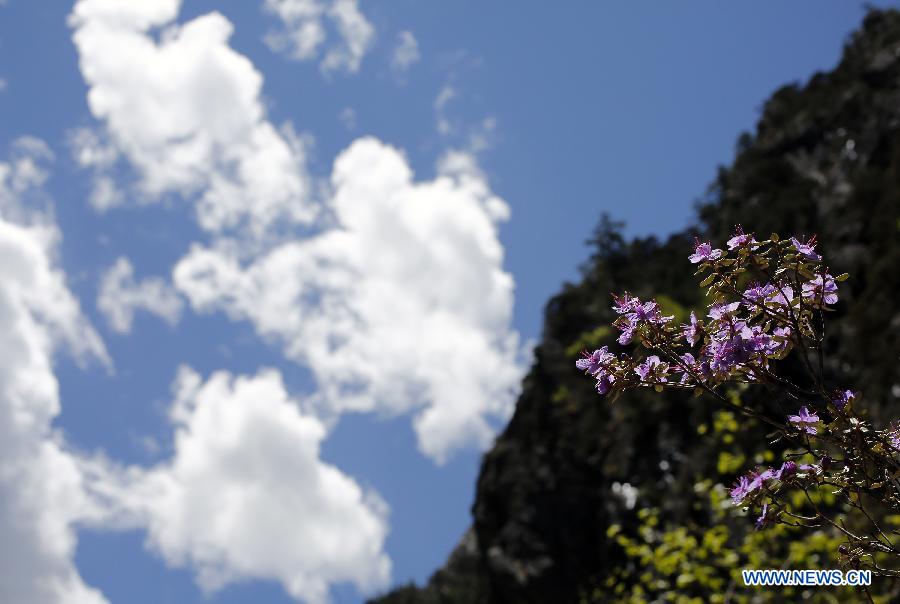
(825,159)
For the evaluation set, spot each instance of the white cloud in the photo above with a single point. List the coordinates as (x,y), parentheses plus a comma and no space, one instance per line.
(41,487)
(403,307)
(246,495)
(398,301)
(481,136)
(154,99)
(304,31)
(120,295)
(446,94)
(22,175)
(383,309)
(100,157)
(406,53)
(356,32)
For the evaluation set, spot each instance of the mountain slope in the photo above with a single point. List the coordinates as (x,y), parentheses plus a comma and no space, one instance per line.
(825,159)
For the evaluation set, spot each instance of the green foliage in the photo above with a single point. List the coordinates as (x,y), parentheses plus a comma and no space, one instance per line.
(700,561)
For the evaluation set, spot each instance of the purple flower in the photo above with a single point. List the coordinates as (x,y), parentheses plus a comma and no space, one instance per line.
(804,420)
(596,365)
(633,313)
(652,367)
(783,296)
(729,353)
(821,289)
(759,479)
(804,416)
(740,490)
(787,469)
(806,249)
(781,339)
(625,303)
(809,468)
(756,339)
(605,382)
(627,334)
(703,252)
(842,399)
(756,294)
(740,239)
(747,484)
(762,521)
(703,367)
(779,342)
(689,360)
(592,363)
(723,311)
(649,311)
(692,332)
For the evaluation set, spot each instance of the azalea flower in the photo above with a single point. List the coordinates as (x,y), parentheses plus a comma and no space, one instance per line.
(756,294)
(740,490)
(787,469)
(806,249)
(692,331)
(652,367)
(704,252)
(592,363)
(625,303)
(842,399)
(820,290)
(804,420)
(741,239)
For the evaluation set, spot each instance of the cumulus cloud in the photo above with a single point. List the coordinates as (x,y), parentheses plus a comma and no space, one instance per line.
(246,494)
(406,53)
(305,30)
(398,302)
(121,295)
(41,487)
(403,307)
(391,291)
(153,97)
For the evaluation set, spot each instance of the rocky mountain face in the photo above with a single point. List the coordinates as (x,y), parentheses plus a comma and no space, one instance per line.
(825,159)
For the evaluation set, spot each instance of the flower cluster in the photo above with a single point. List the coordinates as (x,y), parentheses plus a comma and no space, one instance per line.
(595,364)
(768,298)
(756,480)
(751,323)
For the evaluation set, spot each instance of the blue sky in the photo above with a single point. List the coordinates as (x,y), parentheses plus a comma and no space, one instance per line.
(271,269)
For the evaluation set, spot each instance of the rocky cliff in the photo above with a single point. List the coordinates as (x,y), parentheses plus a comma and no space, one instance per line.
(825,159)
